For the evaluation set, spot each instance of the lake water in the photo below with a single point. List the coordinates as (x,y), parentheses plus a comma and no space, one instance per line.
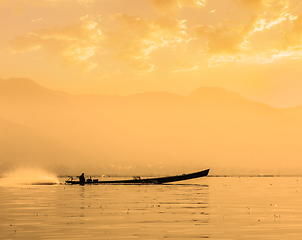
(211,207)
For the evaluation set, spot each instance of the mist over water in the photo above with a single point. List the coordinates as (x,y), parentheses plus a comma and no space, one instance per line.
(28,176)
(157,133)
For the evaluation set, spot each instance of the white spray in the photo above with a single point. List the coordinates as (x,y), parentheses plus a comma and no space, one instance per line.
(30,176)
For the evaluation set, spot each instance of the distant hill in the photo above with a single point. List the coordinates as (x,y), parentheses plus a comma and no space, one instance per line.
(22,146)
(23,89)
(147,133)
(294,112)
(216,94)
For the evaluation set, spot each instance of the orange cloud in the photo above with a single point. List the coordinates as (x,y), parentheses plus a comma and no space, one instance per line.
(186,67)
(135,38)
(224,39)
(271,12)
(132,40)
(73,44)
(293,38)
(43,2)
(86,3)
(276,5)
(19,4)
(172,6)
(244,42)
(37,20)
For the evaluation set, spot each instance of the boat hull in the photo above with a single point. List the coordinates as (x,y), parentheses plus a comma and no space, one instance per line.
(159,180)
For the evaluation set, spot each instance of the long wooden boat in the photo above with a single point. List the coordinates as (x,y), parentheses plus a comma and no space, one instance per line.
(138,180)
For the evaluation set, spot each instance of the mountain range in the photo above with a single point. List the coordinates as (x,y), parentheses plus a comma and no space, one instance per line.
(145,133)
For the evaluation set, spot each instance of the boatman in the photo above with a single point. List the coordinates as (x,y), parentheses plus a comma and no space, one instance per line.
(82,178)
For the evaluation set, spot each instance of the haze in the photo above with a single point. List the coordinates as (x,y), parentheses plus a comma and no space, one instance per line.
(151,87)
(148,133)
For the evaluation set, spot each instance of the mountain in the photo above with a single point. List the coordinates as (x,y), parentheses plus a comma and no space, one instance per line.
(218,98)
(149,133)
(216,94)
(23,89)
(294,112)
(22,146)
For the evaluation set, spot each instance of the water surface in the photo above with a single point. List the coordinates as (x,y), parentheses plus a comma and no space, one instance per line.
(215,208)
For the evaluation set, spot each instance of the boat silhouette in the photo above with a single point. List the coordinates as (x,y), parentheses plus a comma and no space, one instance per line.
(138,180)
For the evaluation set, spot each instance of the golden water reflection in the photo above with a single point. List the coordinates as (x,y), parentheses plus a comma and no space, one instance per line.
(216,208)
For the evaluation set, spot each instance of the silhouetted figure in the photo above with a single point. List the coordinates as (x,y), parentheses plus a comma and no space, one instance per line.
(82,178)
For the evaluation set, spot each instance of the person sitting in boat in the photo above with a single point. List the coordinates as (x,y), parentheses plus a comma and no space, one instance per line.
(82,178)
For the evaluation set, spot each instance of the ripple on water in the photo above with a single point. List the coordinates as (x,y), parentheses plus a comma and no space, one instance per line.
(225,208)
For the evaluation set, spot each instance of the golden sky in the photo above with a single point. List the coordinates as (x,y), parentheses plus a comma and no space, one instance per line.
(128,46)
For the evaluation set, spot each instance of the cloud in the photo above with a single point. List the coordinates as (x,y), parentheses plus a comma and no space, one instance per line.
(276,5)
(252,4)
(270,12)
(86,3)
(39,2)
(21,3)
(224,39)
(74,44)
(227,43)
(293,38)
(186,69)
(132,40)
(37,20)
(172,6)
(216,60)
(135,38)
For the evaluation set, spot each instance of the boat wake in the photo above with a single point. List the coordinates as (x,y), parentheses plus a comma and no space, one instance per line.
(28,176)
